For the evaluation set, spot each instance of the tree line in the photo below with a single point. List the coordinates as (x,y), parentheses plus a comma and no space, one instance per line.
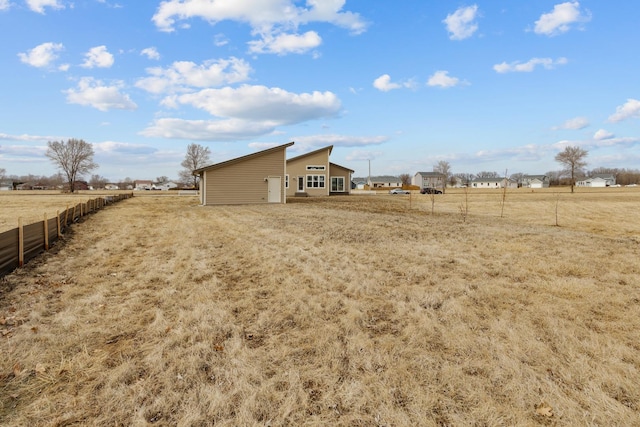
(74,160)
(573,162)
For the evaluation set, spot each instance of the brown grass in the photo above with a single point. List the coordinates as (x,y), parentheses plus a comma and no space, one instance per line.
(354,311)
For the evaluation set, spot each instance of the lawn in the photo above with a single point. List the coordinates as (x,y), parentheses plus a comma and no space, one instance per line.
(354,311)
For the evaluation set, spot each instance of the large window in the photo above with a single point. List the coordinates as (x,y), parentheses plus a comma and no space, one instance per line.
(315,181)
(337,183)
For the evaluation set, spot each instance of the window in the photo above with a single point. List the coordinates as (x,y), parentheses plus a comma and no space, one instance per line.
(315,181)
(337,183)
(286,181)
(316,167)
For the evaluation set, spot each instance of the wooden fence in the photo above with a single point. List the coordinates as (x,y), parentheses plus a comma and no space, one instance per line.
(21,244)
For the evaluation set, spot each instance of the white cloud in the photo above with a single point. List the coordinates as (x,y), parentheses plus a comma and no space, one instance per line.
(94,93)
(4,4)
(207,130)
(42,55)
(561,19)
(461,23)
(363,155)
(98,57)
(262,103)
(630,109)
(28,138)
(384,84)
(114,148)
(282,44)
(602,134)
(574,124)
(529,66)
(39,5)
(271,20)
(304,143)
(442,79)
(245,112)
(182,75)
(151,53)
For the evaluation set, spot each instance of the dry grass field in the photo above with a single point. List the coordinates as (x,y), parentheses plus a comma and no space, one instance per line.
(342,311)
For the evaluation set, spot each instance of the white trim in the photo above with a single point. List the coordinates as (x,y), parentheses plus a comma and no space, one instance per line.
(319,181)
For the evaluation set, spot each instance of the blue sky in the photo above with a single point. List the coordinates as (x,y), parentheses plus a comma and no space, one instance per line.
(491,85)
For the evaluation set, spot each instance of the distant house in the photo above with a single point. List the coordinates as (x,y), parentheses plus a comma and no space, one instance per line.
(252,179)
(111,187)
(428,180)
(535,181)
(493,183)
(385,181)
(358,183)
(164,186)
(142,184)
(312,174)
(81,186)
(598,180)
(6,185)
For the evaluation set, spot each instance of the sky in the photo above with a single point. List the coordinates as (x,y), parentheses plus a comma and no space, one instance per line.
(492,85)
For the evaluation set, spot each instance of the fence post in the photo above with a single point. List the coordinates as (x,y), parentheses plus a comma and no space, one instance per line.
(58,222)
(20,243)
(46,233)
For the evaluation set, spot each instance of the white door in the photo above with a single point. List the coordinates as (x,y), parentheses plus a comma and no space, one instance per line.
(275,189)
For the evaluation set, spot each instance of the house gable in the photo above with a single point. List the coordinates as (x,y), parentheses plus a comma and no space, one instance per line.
(310,173)
(244,180)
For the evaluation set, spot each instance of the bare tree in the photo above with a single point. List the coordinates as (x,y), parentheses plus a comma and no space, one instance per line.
(98,181)
(197,156)
(74,158)
(405,178)
(2,173)
(443,168)
(572,158)
(487,174)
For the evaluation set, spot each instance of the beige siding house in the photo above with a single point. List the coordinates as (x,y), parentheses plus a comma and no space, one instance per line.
(308,174)
(252,179)
(339,179)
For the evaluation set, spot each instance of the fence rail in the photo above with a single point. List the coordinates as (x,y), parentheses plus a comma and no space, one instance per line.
(23,243)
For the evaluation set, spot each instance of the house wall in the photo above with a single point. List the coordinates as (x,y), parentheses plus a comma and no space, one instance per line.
(297,168)
(426,181)
(244,182)
(339,171)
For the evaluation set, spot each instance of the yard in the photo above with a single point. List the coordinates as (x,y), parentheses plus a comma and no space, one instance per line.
(354,311)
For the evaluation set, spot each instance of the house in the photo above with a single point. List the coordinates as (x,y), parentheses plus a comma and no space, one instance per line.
(142,184)
(252,179)
(81,186)
(598,180)
(535,181)
(385,181)
(6,185)
(493,183)
(312,174)
(428,180)
(164,186)
(358,183)
(339,179)
(111,187)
